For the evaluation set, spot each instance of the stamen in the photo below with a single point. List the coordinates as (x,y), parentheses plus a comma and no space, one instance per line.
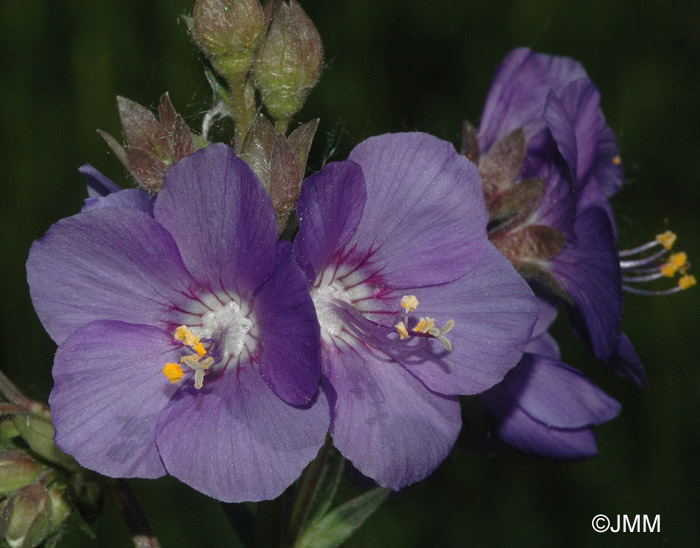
(424,325)
(686,281)
(173,372)
(409,303)
(616,160)
(667,239)
(401,330)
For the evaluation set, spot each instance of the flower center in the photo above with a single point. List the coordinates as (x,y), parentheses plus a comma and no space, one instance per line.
(227,329)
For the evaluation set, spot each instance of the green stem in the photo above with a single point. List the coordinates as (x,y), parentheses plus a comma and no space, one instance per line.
(134,516)
(13,395)
(243,522)
(243,96)
(281,125)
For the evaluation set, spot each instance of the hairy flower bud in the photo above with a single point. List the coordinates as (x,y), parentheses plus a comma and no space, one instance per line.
(38,432)
(288,62)
(152,145)
(32,514)
(229,32)
(17,469)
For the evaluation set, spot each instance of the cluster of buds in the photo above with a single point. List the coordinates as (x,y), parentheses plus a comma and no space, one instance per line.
(274,49)
(40,486)
(152,145)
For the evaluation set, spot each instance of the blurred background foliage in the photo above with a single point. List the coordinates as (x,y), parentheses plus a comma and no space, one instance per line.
(391,67)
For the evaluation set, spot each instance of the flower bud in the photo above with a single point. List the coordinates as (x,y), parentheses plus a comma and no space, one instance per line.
(25,518)
(17,469)
(38,432)
(288,62)
(229,32)
(152,145)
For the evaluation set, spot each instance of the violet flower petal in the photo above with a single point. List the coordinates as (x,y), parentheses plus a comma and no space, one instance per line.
(519,430)
(557,395)
(625,362)
(131,198)
(98,185)
(329,209)
(518,93)
(290,338)
(410,233)
(108,393)
(235,440)
(107,264)
(385,421)
(494,311)
(221,218)
(589,270)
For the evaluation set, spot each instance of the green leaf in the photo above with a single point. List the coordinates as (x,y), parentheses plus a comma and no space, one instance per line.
(337,526)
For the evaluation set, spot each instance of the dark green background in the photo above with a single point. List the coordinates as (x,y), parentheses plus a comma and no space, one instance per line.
(394,66)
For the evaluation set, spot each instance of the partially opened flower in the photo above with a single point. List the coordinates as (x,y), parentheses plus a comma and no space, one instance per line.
(549,164)
(544,407)
(416,306)
(188,343)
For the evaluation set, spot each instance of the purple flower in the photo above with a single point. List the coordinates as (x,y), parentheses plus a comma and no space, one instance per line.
(400,228)
(188,343)
(550,163)
(103,192)
(545,407)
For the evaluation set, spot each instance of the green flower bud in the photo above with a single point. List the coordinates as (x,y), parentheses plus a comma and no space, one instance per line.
(17,469)
(25,519)
(38,432)
(229,32)
(289,60)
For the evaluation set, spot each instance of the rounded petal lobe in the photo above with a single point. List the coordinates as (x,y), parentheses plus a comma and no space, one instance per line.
(131,198)
(107,264)
(494,312)
(98,185)
(385,421)
(519,91)
(290,339)
(424,220)
(221,218)
(558,395)
(330,207)
(108,394)
(235,440)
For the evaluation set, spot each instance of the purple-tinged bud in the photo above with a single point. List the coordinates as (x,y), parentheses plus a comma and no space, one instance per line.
(38,432)
(288,62)
(229,32)
(151,145)
(279,162)
(17,469)
(25,518)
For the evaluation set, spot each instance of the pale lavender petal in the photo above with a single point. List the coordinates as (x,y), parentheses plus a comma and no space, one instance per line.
(589,270)
(107,264)
(290,339)
(517,429)
(558,395)
(131,198)
(544,345)
(330,206)
(385,421)
(563,131)
(108,394)
(608,168)
(221,218)
(424,220)
(494,312)
(519,90)
(235,440)
(545,318)
(97,184)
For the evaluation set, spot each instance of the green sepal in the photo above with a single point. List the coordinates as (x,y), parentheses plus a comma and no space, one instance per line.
(336,527)
(38,432)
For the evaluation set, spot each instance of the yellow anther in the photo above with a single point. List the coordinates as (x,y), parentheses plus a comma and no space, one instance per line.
(173,371)
(669,270)
(185,335)
(409,303)
(667,239)
(199,349)
(686,281)
(424,325)
(678,259)
(617,160)
(401,330)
